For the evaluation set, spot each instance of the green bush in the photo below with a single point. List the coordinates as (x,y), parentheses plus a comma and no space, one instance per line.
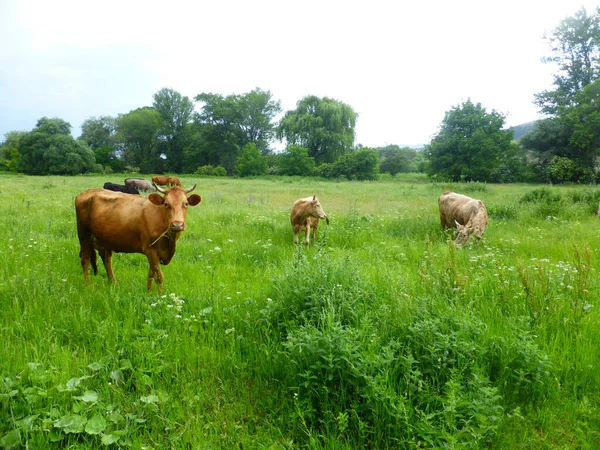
(541,195)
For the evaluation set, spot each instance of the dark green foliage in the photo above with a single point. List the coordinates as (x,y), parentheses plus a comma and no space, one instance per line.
(396,159)
(9,151)
(296,161)
(325,170)
(176,113)
(50,149)
(541,195)
(507,212)
(250,162)
(570,131)
(98,132)
(441,378)
(357,165)
(107,158)
(322,125)
(545,203)
(470,146)
(209,170)
(227,123)
(137,137)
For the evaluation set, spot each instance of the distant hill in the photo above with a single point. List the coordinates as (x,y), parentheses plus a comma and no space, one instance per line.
(523,129)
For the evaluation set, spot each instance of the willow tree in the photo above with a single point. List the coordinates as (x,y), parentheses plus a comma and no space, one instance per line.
(322,125)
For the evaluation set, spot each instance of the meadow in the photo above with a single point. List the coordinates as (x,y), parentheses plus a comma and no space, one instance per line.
(383,334)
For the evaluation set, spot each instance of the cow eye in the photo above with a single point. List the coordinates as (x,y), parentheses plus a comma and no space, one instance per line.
(185,205)
(167,205)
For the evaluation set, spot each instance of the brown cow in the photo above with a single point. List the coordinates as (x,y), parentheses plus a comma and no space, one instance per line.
(112,222)
(468,215)
(167,181)
(305,214)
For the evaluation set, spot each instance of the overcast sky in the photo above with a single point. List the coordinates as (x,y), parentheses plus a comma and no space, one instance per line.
(399,64)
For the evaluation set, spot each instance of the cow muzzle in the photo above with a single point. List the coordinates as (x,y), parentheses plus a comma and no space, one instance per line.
(177,226)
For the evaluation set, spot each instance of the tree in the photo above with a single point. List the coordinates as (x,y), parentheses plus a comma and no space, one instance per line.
(361,164)
(258,112)
(296,161)
(470,144)
(98,132)
(575,47)
(395,159)
(572,107)
(250,161)
(226,124)
(9,151)
(49,149)
(176,112)
(137,139)
(322,125)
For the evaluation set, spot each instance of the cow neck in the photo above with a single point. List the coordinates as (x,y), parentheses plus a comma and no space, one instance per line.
(172,237)
(164,233)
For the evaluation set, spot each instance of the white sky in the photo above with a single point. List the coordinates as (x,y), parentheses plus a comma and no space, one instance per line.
(399,64)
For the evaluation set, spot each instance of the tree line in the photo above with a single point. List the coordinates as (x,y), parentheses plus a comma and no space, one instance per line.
(232,135)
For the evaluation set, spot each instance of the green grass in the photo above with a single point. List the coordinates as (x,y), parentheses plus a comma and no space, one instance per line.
(381,335)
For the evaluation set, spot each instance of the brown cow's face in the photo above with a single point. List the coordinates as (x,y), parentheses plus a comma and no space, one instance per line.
(317,209)
(175,204)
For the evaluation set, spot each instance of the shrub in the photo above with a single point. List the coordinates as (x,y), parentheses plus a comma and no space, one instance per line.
(206,170)
(358,165)
(541,195)
(296,161)
(250,162)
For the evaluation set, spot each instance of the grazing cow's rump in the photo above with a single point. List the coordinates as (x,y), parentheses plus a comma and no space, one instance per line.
(140,184)
(121,188)
(112,222)
(305,214)
(167,181)
(468,215)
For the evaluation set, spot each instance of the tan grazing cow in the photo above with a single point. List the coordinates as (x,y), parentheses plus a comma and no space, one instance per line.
(167,181)
(467,214)
(305,214)
(140,184)
(113,222)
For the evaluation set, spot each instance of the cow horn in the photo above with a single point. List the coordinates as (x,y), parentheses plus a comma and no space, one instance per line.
(159,189)
(190,189)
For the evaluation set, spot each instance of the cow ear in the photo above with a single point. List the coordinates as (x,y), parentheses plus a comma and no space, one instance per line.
(194,199)
(156,199)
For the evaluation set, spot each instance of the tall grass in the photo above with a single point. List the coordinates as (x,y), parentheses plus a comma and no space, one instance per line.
(382,334)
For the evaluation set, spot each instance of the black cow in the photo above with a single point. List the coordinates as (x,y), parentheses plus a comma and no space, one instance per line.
(120,188)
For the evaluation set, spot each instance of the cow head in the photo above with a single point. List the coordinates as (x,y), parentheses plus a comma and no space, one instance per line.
(464,233)
(175,203)
(317,209)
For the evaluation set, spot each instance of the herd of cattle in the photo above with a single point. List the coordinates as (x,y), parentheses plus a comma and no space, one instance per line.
(111,220)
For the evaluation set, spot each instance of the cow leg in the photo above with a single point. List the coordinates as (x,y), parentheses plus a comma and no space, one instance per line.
(296,230)
(85,257)
(154,273)
(307,239)
(106,256)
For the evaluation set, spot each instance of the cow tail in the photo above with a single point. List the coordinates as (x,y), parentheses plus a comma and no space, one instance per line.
(93,258)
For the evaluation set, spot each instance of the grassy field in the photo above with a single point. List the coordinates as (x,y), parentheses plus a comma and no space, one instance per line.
(382,335)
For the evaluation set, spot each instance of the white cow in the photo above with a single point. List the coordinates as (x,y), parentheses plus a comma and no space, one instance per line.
(467,214)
